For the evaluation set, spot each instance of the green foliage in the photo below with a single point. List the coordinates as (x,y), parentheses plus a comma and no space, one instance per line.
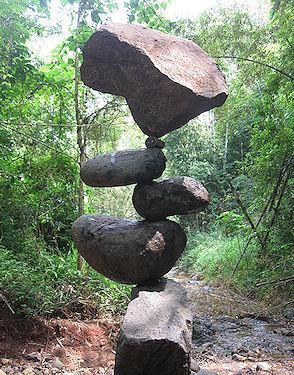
(231,223)
(30,207)
(215,255)
(47,283)
(148,13)
(195,151)
(250,143)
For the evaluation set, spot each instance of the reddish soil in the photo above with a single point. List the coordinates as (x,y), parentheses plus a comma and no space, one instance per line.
(77,344)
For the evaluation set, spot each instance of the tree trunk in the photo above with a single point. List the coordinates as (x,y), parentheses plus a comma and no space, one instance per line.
(81,141)
(226,146)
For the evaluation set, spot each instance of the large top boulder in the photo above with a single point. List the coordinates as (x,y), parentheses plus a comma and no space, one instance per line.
(166,80)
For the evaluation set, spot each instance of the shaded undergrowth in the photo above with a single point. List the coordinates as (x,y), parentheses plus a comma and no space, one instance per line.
(216,255)
(41,283)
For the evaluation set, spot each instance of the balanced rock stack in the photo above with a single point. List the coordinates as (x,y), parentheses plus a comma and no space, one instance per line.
(166,81)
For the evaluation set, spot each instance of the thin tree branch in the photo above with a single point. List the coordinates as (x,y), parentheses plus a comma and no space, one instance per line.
(42,143)
(245,212)
(276,209)
(269,203)
(4,299)
(280,281)
(257,62)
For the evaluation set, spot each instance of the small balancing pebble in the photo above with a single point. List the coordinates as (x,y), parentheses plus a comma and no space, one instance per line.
(127,251)
(156,334)
(174,196)
(124,167)
(154,142)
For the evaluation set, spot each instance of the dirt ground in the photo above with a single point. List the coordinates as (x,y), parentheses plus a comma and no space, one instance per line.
(231,335)
(235,335)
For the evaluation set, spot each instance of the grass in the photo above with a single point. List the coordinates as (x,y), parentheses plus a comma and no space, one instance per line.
(44,284)
(215,255)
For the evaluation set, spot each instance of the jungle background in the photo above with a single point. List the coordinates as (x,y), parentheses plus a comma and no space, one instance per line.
(50,123)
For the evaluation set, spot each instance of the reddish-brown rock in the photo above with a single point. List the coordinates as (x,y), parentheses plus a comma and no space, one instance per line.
(166,80)
(127,251)
(174,196)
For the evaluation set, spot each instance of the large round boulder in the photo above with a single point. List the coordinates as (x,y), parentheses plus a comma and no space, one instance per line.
(124,167)
(174,196)
(127,251)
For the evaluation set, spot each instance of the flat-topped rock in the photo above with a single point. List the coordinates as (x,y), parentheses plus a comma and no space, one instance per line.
(156,334)
(127,251)
(124,167)
(165,79)
(174,196)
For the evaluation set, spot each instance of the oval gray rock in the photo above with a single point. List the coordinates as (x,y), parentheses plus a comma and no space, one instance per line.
(174,196)
(124,167)
(127,251)
(166,80)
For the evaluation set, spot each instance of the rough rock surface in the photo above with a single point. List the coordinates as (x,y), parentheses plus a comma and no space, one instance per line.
(166,80)
(131,252)
(174,196)
(124,167)
(155,337)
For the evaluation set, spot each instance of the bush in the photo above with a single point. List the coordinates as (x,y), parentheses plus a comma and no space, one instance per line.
(43,284)
(215,255)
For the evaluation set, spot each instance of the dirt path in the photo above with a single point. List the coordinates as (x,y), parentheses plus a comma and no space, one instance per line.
(234,335)
(231,335)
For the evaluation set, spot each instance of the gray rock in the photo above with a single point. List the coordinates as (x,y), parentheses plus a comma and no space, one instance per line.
(194,365)
(56,363)
(125,167)
(153,142)
(166,80)
(238,357)
(264,366)
(174,196)
(206,372)
(289,313)
(155,337)
(131,252)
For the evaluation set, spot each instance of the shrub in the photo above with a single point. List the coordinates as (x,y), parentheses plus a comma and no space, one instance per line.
(215,255)
(45,283)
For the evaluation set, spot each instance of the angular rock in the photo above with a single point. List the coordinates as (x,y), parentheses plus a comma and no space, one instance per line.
(127,251)
(289,313)
(194,365)
(155,337)
(166,80)
(125,167)
(206,372)
(174,196)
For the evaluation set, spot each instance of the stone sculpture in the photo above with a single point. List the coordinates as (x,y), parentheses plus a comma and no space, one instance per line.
(166,81)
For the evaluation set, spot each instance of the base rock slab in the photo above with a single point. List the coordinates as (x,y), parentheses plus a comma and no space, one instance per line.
(155,337)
